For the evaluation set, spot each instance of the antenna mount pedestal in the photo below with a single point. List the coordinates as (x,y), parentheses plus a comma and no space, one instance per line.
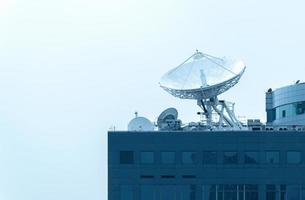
(219,113)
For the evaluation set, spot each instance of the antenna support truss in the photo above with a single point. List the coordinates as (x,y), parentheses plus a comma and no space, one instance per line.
(224,111)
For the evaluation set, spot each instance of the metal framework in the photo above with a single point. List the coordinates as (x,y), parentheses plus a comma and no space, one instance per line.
(224,111)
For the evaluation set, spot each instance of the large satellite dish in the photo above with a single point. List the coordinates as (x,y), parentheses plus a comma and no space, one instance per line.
(203,77)
(140,124)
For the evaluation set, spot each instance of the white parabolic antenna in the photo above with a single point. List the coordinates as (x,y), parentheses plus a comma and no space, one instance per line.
(168,120)
(168,114)
(203,77)
(140,124)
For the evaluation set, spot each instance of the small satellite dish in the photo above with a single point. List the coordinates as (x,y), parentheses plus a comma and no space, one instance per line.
(168,114)
(140,124)
(168,120)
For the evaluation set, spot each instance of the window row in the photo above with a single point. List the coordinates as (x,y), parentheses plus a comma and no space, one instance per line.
(290,110)
(213,192)
(211,157)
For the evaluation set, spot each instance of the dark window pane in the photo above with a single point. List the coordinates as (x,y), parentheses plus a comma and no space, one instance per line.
(270,192)
(167,192)
(127,192)
(148,192)
(303,192)
(251,192)
(283,196)
(293,157)
(272,157)
(209,157)
(189,157)
(220,190)
(126,157)
(241,196)
(186,192)
(230,157)
(241,192)
(230,192)
(168,157)
(284,113)
(300,108)
(147,157)
(251,157)
(270,195)
(251,196)
(211,190)
(251,187)
(270,187)
(282,191)
(212,195)
(293,192)
(220,195)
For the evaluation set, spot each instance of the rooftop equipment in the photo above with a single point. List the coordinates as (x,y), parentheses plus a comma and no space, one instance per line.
(168,120)
(140,124)
(203,77)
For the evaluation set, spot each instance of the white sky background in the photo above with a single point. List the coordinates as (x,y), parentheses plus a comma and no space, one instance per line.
(70,69)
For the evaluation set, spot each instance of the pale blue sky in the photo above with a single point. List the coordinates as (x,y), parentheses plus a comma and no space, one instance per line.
(70,69)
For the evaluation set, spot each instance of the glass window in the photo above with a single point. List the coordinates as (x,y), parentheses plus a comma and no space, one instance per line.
(230,157)
(293,192)
(148,192)
(126,157)
(126,192)
(230,192)
(270,115)
(241,192)
(220,192)
(186,192)
(300,108)
(212,192)
(209,157)
(272,157)
(189,157)
(147,157)
(282,192)
(270,192)
(283,113)
(290,110)
(293,157)
(251,192)
(251,157)
(167,192)
(168,157)
(303,192)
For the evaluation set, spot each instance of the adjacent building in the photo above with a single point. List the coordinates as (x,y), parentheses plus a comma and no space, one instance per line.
(286,105)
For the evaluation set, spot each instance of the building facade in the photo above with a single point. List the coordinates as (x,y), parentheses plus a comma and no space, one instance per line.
(208,165)
(286,105)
